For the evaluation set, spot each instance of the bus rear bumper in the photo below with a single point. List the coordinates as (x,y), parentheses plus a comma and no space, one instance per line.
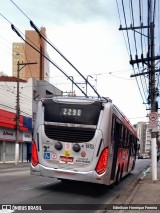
(90,176)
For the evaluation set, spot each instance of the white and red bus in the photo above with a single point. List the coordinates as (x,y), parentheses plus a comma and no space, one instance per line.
(83,139)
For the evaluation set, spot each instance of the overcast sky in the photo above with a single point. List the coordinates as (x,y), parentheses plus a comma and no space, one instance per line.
(86,32)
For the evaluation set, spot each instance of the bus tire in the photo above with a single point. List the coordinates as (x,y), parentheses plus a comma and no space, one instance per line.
(118,176)
(133,165)
(121,175)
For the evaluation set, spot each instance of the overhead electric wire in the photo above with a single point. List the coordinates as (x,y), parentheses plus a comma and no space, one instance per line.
(140,21)
(41,35)
(8,107)
(20,9)
(127,30)
(53,63)
(140,86)
(144,37)
(141,24)
(116,0)
(121,25)
(16,31)
(132,18)
(53,46)
(15,93)
(134,35)
(130,50)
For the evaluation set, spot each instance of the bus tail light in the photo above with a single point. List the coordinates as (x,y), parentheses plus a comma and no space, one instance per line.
(35,160)
(102,162)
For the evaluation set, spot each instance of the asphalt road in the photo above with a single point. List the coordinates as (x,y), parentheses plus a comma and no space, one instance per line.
(19,187)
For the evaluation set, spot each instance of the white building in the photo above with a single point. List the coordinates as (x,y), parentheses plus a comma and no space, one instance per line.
(29,93)
(148,140)
(141,134)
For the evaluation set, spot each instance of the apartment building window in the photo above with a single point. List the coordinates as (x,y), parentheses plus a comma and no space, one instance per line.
(16,46)
(15,53)
(16,59)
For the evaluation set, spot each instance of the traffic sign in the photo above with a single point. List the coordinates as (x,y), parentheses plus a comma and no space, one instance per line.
(153,121)
(153,116)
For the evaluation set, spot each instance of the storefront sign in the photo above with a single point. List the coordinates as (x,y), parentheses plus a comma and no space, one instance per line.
(7,134)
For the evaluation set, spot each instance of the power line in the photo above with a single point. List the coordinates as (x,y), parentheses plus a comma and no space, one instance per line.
(53,46)
(15,30)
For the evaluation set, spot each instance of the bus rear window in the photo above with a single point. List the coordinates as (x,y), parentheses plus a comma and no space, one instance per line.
(72,113)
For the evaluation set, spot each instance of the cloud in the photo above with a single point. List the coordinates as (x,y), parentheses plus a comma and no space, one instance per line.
(86,32)
(62,12)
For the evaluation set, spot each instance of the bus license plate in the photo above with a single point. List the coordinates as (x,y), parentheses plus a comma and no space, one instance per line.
(66,159)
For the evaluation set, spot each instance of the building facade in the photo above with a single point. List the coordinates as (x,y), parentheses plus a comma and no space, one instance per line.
(141,134)
(148,140)
(25,53)
(29,93)
(8,136)
(18,54)
(144,136)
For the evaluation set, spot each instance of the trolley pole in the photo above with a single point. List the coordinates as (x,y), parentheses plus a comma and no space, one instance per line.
(18,110)
(87,81)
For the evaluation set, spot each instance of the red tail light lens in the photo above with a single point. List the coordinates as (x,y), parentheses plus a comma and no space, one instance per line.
(35,160)
(102,162)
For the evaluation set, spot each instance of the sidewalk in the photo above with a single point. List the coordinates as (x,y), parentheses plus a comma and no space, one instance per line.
(148,191)
(8,165)
(146,194)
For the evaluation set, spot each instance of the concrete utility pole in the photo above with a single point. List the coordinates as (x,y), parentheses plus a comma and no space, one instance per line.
(18,110)
(154,108)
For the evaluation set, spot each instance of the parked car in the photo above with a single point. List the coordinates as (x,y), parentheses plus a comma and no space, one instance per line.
(140,156)
(143,156)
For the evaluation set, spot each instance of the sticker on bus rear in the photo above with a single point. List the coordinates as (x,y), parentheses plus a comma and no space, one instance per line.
(83,160)
(66,159)
(53,155)
(67,153)
(67,146)
(47,155)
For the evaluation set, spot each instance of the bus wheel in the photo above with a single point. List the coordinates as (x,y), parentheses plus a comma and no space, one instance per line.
(133,165)
(121,173)
(118,176)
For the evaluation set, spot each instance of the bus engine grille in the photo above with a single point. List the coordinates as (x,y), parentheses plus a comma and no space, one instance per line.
(69,134)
